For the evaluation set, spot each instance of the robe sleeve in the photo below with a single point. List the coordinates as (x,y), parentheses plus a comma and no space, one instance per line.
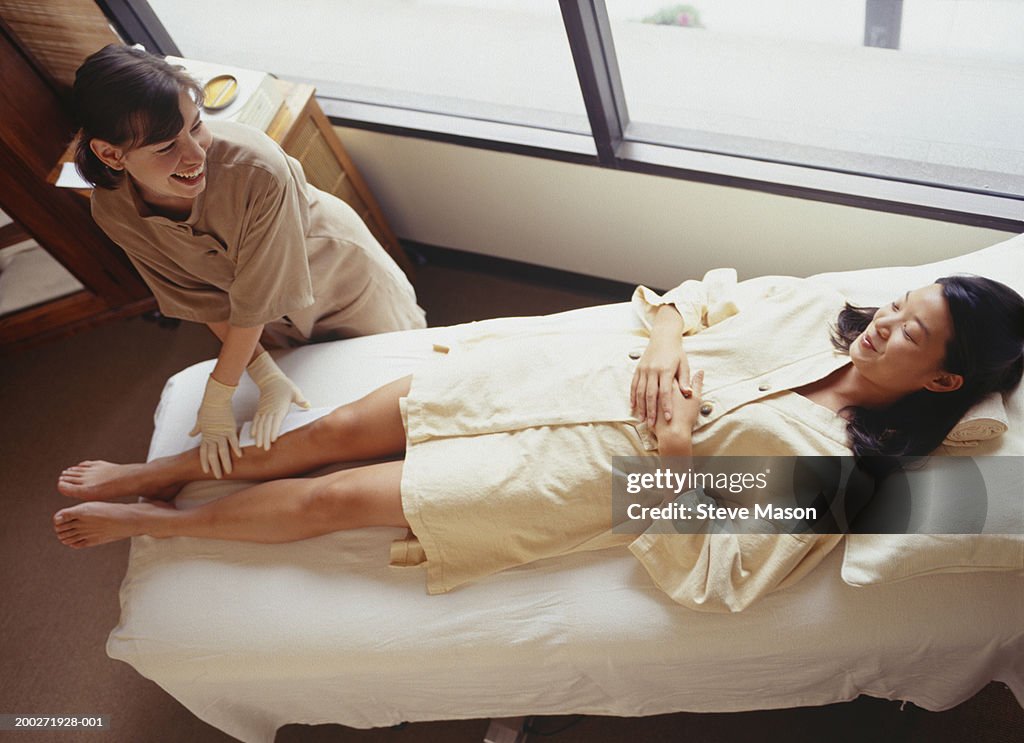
(700,303)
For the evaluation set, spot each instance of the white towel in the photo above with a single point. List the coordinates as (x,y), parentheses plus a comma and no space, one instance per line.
(986,420)
(295,418)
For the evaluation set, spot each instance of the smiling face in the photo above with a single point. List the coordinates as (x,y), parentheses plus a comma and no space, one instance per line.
(903,349)
(168,174)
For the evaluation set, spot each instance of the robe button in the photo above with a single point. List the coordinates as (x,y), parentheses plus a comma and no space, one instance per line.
(635,355)
(764,387)
(706,408)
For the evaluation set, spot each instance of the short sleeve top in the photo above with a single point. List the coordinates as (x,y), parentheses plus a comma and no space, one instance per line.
(241,255)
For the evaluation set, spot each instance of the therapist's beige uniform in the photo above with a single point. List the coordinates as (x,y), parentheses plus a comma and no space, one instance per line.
(261,246)
(510,439)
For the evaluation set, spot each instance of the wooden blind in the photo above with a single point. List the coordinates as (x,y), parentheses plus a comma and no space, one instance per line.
(59,34)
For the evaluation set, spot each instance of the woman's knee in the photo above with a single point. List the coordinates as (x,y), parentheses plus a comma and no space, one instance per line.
(364,496)
(336,427)
(367,428)
(337,500)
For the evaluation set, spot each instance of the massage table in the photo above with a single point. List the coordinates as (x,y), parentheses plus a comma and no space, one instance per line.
(252,637)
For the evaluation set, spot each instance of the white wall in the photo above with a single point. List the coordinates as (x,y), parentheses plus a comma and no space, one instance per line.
(627,226)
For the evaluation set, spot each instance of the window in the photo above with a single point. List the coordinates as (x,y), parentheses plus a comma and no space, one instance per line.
(904,105)
(929,97)
(486,60)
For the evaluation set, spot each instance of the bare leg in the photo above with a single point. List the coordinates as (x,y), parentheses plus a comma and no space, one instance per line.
(368,428)
(271,512)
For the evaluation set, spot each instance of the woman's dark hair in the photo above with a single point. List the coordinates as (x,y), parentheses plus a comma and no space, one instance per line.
(129,98)
(987,350)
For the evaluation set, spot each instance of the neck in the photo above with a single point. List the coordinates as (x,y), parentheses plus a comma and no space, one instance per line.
(172,207)
(853,389)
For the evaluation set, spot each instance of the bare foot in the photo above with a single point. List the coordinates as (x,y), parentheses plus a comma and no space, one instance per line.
(103,480)
(90,524)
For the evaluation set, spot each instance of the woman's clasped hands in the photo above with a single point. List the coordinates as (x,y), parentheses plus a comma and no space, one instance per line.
(674,429)
(663,393)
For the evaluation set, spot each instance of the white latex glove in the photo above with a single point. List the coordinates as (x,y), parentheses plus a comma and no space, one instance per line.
(277,393)
(216,422)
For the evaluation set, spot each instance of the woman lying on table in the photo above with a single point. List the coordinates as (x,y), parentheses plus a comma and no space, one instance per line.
(508,438)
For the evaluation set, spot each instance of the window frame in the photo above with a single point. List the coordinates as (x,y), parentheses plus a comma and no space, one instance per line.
(590,40)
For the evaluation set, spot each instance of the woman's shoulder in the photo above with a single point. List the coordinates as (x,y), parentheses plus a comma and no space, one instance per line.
(245,149)
(113,209)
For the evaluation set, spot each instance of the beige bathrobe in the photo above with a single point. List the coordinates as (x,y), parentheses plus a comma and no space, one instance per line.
(511,438)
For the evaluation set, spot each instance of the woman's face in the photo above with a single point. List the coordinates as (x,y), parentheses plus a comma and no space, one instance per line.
(904,347)
(169,173)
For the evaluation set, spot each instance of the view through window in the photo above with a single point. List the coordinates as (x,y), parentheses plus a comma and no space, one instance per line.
(925,91)
(497,60)
(797,82)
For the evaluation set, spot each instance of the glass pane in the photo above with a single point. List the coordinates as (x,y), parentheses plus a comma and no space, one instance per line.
(795,82)
(498,60)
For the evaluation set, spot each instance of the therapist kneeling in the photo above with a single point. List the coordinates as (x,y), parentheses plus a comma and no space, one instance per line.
(224,229)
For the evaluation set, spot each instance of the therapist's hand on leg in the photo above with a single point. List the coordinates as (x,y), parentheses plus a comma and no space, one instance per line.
(216,422)
(277,393)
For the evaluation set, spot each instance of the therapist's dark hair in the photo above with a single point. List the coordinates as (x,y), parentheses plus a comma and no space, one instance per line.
(987,350)
(127,97)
